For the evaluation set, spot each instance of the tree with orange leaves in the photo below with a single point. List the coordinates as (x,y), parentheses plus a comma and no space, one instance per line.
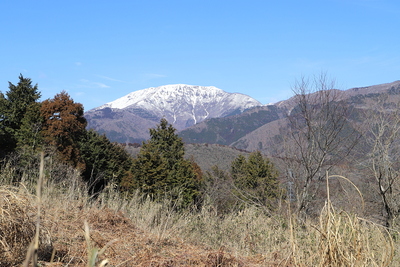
(63,126)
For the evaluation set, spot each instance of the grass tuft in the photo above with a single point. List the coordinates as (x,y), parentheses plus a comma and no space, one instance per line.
(347,240)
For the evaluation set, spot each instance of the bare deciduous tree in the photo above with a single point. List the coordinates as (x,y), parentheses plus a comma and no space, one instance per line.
(319,136)
(382,132)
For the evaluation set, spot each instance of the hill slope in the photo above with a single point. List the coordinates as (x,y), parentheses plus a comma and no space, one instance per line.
(225,131)
(258,128)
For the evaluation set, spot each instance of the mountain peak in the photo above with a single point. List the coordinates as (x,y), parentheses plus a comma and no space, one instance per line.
(171,92)
(182,105)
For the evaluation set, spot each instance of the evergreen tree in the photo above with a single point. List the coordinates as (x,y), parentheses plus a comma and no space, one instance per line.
(255,179)
(104,161)
(160,167)
(63,126)
(30,133)
(5,135)
(13,107)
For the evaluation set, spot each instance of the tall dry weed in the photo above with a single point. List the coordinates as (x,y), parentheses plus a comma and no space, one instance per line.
(341,239)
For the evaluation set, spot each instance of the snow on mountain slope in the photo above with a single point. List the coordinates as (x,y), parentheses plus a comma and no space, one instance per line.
(182,105)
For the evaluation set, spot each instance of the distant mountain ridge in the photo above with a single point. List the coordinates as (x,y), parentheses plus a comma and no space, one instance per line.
(210,115)
(261,128)
(127,119)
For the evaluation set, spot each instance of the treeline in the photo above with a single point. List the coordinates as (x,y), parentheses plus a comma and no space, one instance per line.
(28,126)
(57,126)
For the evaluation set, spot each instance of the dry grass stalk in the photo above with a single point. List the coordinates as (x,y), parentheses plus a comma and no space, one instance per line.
(94,252)
(346,240)
(32,253)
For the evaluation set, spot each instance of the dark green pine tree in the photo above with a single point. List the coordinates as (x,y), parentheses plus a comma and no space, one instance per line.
(104,161)
(5,135)
(255,179)
(29,135)
(168,144)
(160,167)
(13,108)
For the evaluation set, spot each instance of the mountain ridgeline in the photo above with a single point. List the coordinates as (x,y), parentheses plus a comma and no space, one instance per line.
(128,118)
(210,115)
(262,128)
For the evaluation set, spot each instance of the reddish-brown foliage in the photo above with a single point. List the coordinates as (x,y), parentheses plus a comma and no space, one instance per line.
(64,123)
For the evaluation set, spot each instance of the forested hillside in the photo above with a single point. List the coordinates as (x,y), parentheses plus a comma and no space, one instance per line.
(225,131)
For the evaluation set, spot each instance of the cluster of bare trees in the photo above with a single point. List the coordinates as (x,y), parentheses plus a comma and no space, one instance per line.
(324,131)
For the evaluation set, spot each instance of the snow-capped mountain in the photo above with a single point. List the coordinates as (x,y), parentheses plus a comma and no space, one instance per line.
(182,105)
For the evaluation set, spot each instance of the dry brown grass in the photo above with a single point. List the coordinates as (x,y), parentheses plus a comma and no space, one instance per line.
(341,239)
(126,244)
(18,215)
(139,232)
(346,240)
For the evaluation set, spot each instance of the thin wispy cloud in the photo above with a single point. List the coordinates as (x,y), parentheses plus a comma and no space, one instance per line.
(78,64)
(146,77)
(89,84)
(101,85)
(109,78)
(154,76)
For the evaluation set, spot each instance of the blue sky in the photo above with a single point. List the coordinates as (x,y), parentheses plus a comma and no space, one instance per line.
(99,51)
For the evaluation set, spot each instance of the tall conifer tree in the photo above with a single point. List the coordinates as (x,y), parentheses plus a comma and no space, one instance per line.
(13,107)
(161,168)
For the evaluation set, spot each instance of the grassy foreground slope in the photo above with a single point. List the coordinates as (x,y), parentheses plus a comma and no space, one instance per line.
(140,232)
